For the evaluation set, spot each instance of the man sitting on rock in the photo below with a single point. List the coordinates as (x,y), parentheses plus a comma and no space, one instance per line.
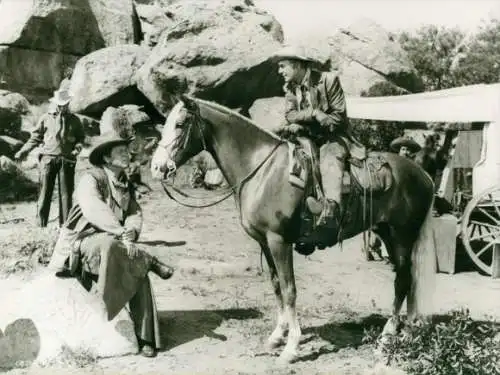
(99,238)
(61,134)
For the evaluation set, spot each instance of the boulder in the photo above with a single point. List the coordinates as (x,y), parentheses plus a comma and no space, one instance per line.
(107,78)
(154,19)
(269,113)
(9,146)
(15,184)
(365,54)
(51,317)
(39,39)
(13,108)
(216,50)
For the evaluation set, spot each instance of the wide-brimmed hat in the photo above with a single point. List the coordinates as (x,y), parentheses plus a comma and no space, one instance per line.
(292,52)
(103,143)
(405,141)
(61,97)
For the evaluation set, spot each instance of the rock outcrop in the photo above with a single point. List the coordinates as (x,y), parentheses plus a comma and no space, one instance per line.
(365,54)
(217,50)
(106,78)
(39,39)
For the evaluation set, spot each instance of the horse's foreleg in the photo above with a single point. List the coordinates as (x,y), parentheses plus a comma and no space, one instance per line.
(282,254)
(278,336)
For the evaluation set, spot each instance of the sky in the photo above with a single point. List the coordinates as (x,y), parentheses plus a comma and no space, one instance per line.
(303,17)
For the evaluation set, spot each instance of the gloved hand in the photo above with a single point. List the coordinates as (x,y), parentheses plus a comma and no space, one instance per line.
(325,121)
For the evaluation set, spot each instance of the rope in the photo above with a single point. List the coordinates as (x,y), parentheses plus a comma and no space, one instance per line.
(234,189)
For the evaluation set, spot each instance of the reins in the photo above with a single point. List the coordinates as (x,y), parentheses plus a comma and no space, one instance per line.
(235,189)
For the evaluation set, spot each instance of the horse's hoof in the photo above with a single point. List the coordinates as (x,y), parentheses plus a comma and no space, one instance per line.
(273,343)
(288,357)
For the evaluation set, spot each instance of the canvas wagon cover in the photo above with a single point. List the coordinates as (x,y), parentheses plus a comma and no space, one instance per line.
(475,103)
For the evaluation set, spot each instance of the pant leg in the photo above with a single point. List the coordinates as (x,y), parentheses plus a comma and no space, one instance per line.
(145,315)
(122,280)
(332,168)
(49,168)
(66,180)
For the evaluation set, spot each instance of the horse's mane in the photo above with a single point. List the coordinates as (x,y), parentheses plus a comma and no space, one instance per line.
(229,112)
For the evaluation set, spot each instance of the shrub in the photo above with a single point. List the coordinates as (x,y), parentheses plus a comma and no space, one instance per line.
(457,346)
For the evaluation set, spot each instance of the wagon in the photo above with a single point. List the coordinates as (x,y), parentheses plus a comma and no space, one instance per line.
(470,183)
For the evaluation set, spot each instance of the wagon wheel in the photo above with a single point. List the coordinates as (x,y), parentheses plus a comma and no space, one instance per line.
(480,227)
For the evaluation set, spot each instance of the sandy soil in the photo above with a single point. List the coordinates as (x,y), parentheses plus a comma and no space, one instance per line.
(218,309)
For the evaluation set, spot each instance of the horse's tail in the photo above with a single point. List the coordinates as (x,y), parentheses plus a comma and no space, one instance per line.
(423,270)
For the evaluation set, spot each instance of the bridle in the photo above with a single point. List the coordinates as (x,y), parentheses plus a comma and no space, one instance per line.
(183,139)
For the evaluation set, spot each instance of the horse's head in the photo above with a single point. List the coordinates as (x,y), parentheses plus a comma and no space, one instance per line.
(182,137)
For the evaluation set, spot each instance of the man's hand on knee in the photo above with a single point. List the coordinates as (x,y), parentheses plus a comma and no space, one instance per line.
(132,249)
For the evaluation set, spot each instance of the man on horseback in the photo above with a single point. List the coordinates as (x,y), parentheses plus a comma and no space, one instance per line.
(316,110)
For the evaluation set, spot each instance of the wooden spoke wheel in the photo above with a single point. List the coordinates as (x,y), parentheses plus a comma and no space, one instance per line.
(480,227)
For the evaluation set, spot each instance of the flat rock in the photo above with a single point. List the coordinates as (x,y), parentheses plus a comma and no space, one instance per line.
(49,316)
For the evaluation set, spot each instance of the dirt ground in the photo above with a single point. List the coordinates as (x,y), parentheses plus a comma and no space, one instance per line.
(218,309)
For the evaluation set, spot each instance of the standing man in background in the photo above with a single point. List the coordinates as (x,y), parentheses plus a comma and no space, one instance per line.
(61,135)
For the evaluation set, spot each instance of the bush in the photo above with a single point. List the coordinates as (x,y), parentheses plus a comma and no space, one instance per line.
(458,346)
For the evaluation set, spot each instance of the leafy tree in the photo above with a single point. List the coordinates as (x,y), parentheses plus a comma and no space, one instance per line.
(480,60)
(448,57)
(433,52)
(378,135)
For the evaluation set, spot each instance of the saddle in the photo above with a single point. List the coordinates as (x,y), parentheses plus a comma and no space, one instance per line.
(367,177)
(371,174)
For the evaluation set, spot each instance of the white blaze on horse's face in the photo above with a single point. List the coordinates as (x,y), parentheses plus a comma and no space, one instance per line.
(164,155)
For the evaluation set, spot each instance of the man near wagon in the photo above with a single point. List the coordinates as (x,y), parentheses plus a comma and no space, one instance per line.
(316,109)
(99,240)
(405,146)
(61,135)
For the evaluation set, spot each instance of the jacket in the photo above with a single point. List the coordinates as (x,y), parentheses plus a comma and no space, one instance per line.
(94,211)
(327,100)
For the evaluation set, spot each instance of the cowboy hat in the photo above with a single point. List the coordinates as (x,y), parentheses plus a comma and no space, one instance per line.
(61,97)
(103,143)
(294,53)
(405,141)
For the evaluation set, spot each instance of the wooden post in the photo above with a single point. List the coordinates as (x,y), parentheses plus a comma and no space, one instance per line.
(445,234)
(495,264)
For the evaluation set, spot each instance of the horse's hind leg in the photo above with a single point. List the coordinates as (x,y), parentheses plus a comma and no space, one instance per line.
(402,283)
(282,254)
(278,336)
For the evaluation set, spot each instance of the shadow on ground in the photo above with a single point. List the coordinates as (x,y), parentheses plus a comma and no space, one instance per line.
(341,335)
(180,327)
(162,243)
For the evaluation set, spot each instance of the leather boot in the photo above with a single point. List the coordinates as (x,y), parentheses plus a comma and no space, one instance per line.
(327,209)
(161,269)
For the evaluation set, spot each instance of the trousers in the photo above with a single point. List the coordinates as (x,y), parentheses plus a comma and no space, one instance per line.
(122,280)
(51,168)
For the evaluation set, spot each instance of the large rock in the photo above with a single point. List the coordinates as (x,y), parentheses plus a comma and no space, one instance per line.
(217,50)
(365,54)
(52,317)
(39,39)
(107,78)
(269,113)
(9,146)
(13,108)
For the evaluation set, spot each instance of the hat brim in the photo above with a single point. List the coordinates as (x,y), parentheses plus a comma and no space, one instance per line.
(95,155)
(409,143)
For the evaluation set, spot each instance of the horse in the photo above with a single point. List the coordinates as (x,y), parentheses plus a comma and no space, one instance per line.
(255,162)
